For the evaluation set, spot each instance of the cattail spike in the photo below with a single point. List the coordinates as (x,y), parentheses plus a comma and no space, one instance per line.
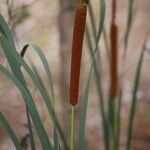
(79,26)
(114,82)
(113,39)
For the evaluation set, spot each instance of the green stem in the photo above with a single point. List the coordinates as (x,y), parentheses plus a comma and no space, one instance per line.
(72,128)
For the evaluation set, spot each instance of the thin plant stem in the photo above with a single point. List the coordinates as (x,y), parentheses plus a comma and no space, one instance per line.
(72,128)
(99,91)
(97,74)
(30,130)
(134,96)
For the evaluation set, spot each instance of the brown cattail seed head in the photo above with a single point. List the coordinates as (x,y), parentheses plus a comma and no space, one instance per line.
(79,26)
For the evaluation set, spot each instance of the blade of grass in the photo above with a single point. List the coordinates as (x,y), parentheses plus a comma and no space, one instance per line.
(5,30)
(134,96)
(49,76)
(27,112)
(100,94)
(83,115)
(41,89)
(10,60)
(9,130)
(56,140)
(101,21)
(32,109)
(106,45)
(8,47)
(92,20)
(30,131)
(129,23)
(126,37)
(15,66)
(81,138)
(97,75)
(46,67)
(17,72)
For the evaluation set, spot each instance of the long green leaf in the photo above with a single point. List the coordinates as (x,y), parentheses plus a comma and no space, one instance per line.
(28,116)
(5,30)
(30,131)
(40,88)
(134,97)
(85,98)
(15,66)
(32,109)
(129,23)
(81,138)
(49,76)
(9,130)
(46,67)
(9,47)
(101,22)
(96,73)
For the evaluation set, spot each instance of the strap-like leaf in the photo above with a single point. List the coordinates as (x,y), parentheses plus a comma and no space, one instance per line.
(5,30)
(40,87)
(15,66)
(9,130)
(31,107)
(9,48)
(134,96)
(129,23)
(81,138)
(28,116)
(96,73)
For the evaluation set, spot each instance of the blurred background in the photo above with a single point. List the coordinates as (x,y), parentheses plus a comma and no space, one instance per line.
(49,23)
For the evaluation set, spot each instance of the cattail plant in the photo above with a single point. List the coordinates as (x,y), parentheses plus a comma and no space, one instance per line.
(113,76)
(110,116)
(78,33)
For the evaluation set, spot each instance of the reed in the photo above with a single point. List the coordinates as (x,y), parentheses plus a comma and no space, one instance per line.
(113,76)
(77,43)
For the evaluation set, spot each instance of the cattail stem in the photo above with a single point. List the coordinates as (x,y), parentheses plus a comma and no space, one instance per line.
(78,33)
(72,128)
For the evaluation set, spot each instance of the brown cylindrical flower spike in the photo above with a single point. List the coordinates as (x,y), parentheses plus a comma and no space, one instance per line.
(79,26)
(113,39)
(114,60)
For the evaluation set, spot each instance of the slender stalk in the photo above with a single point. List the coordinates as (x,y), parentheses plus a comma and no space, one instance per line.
(99,91)
(30,131)
(72,128)
(134,96)
(23,51)
(97,73)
